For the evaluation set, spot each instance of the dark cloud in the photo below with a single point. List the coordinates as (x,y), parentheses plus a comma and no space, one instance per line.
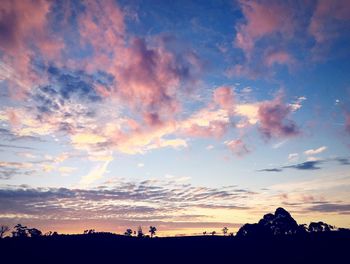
(218,206)
(7,135)
(9,169)
(330,208)
(9,172)
(16,147)
(307,165)
(343,161)
(271,170)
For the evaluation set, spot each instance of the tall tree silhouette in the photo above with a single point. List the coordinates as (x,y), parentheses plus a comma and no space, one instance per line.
(128,232)
(3,230)
(140,232)
(224,230)
(152,230)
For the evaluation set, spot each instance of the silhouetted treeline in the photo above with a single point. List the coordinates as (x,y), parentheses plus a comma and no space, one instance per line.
(276,238)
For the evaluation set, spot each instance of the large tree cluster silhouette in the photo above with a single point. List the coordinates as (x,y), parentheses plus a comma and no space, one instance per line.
(281,223)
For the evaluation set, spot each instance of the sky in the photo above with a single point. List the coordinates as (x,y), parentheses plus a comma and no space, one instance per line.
(186,115)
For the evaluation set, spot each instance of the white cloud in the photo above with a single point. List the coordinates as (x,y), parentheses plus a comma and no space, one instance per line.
(248,111)
(319,150)
(293,157)
(297,104)
(176,178)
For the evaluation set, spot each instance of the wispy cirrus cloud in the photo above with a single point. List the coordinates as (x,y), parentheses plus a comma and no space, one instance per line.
(95,174)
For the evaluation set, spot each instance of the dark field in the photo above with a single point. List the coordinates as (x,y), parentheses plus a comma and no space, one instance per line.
(323,247)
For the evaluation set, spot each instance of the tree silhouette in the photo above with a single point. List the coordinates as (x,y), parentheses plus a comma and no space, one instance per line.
(49,233)
(3,230)
(33,232)
(128,232)
(224,230)
(213,233)
(205,232)
(140,232)
(152,230)
(279,223)
(89,231)
(319,227)
(20,231)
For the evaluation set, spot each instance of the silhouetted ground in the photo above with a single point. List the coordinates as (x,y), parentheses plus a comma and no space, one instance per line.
(276,238)
(320,247)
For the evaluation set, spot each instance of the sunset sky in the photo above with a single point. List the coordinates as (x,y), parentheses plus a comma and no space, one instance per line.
(186,115)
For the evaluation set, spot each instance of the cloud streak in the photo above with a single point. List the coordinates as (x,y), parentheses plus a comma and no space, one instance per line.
(308,165)
(319,150)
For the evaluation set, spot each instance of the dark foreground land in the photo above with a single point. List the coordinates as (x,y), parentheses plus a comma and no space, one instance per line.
(276,238)
(323,247)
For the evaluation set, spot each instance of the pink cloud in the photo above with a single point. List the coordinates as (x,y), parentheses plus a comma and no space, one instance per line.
(148,75)
(325,22)
(102,26)
(262,18)
(215,129)
(347,122)
(152,119)
(238,147)
(273,119)
(149,78)
(13,117)
(23,31)
(278,57)
(21,21)
(224,97)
